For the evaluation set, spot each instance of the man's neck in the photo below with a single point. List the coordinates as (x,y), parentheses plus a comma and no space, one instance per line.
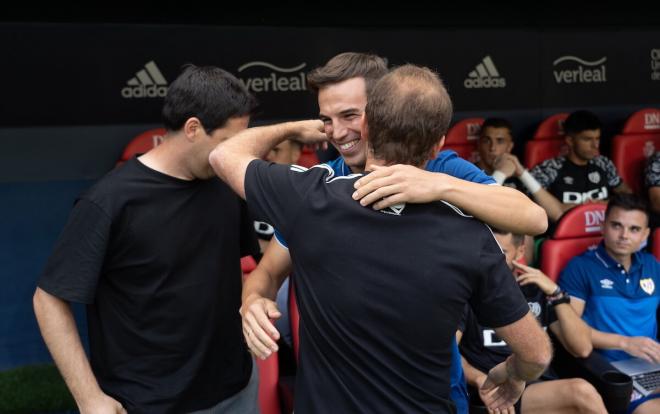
(483,166)
(572,157)
(624,260)
(168,158)
(382,163)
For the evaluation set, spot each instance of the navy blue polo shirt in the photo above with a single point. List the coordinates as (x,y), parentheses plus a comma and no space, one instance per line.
(616,301)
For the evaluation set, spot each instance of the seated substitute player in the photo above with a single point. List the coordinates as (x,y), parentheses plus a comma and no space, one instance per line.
(481,349)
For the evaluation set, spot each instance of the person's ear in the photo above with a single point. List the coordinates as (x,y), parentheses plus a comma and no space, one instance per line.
(437,147)
(192,128)
(364,127)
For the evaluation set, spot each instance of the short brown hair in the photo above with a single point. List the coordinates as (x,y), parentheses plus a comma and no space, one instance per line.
(408,111)
(516,238)
(345,66)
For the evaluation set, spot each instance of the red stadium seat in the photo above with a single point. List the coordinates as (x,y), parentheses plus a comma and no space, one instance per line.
(308,157)
(638,140)
(269,373)
(248,264)
(269,400)
(551,127)
(577,230)
(142,143)
(462,137)
(656,243)
(537,151)
(547,142)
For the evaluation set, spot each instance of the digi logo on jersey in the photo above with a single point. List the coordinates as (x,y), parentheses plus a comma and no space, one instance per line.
(576,197)
(276,79)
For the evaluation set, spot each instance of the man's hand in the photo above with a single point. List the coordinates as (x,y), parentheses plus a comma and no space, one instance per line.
(642,347)
(535,276)
(500,390)
(387,186)
(260,333)
(102,404)
(310,132)
(505,165)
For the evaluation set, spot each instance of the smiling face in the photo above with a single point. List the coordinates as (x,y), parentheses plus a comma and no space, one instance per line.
(341,106)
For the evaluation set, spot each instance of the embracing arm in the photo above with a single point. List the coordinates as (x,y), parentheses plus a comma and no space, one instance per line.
(59,331)
(499,206)
(232,156)
(259,292)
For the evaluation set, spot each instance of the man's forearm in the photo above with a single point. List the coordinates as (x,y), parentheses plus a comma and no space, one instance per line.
(572,331)
(231,157)
(524,370)
(59,331)
(472,375)
(553,207)
(604,340)
(270,273)
(492,204)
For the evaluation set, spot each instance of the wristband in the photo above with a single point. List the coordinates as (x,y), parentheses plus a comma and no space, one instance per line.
(499,177)
(562,298)
(530,182)
(556,292)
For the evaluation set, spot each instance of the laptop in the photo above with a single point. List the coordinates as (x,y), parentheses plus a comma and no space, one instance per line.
(645,375)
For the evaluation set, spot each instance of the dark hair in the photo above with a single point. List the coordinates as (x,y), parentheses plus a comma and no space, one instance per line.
(627,202)
(408,112)
(580,121)
(209,93)
(346,66)
(497,123)
(516,238)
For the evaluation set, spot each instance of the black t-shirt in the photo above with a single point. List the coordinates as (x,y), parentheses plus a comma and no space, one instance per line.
(575,184)
(157,259)
(481,346)
(380,292)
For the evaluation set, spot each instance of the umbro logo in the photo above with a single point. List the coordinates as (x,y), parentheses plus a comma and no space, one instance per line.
(148,82)
(606,283)
(484,75)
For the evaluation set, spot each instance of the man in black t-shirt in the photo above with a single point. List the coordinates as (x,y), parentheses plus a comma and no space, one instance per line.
(583,175)
(482,349)
(382,291)
(160,275)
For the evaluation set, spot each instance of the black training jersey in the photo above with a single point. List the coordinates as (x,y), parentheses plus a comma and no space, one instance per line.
(157,259)
(380,293)
(481,346)
(576,184)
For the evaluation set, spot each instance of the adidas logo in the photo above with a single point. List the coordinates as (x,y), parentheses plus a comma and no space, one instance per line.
(147,83)
(485,75)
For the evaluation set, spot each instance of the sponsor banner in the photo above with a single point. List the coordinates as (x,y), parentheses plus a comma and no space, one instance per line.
(655,63)
(583,69)
(73,74)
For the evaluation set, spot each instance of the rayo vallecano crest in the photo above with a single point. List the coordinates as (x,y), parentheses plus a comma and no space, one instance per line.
(647,285)
(594,177)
